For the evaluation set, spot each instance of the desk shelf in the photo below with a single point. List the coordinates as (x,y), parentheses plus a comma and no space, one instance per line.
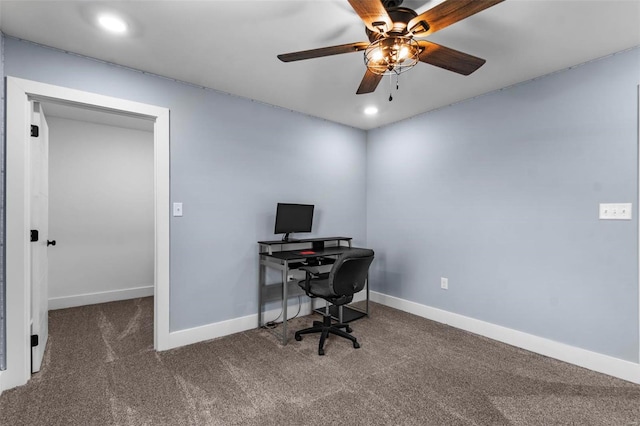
(349,313)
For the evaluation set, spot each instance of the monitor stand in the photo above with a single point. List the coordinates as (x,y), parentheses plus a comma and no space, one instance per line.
(286,239)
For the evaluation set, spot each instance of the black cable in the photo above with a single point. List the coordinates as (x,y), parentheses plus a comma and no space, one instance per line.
(299,307)
(274,324)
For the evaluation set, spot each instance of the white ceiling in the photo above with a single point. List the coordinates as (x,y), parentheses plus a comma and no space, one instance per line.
(231,46)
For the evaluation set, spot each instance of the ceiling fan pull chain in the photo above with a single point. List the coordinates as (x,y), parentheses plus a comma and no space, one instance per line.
(390,87)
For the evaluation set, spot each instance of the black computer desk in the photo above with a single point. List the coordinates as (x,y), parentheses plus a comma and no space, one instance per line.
(287,256)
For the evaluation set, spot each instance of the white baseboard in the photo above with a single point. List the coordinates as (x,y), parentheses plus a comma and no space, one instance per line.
(101,297)
(1,387)
(236,325)
(606,364)
(224,328)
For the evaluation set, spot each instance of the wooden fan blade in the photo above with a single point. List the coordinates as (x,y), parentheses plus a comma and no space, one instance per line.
(374,15)
(449,59)
(447,13)
(369,83)
(323,51)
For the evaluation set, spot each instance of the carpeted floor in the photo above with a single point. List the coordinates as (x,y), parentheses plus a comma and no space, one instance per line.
(100,369)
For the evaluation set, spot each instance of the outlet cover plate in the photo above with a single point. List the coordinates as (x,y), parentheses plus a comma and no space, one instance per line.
(177,209)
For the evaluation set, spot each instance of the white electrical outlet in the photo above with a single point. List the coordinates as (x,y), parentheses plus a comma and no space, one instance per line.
(615,211)
(444,283)
(177,209)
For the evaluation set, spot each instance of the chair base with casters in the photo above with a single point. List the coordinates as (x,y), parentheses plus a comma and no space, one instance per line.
(326,327)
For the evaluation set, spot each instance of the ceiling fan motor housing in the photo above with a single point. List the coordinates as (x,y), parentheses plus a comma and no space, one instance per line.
(400,17)
(391,3)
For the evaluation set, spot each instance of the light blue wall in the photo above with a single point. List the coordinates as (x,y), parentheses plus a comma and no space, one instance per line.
(232,160)
(500,195)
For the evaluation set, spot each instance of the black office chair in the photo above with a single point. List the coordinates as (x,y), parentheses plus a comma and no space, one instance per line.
(347,277)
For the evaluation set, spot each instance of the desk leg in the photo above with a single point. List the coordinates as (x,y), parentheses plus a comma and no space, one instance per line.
(285,301)
(261,285)
(367,306)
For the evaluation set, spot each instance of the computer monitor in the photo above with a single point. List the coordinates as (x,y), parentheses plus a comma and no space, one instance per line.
(293,218)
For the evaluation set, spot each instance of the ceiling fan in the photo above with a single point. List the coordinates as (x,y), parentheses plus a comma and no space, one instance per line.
(392,48)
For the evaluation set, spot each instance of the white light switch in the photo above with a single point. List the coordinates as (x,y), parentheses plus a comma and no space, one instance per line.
(615,211)
(177,209)
(444,283)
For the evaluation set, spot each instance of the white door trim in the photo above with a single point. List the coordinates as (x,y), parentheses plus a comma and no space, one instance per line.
(18,93)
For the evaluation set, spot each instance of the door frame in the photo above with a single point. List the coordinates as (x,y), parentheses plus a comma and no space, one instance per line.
(17,209)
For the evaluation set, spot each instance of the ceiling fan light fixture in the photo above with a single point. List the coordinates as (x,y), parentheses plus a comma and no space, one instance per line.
(391,55)
(377,55)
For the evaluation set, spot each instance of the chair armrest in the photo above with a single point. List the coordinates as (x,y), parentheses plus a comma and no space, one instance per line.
(327,260)
(313,270)
(307,279)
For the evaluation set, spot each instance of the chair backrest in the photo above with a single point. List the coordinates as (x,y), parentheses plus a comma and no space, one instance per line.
(349,272)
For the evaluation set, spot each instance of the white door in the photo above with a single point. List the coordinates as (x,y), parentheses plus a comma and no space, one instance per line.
(39,176)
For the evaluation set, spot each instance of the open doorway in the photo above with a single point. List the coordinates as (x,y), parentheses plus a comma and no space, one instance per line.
(100,206)
(20,96)
(100,234)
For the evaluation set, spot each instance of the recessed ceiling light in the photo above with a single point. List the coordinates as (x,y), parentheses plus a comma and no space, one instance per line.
(371,110)
(112,23)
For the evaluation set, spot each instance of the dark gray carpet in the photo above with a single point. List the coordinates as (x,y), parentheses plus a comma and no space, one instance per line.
(100,369)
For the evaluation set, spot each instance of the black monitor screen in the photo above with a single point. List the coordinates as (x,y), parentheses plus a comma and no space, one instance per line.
(293,218)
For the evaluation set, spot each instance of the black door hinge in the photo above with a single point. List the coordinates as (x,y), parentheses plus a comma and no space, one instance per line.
(34,235)
(34,340)
(35,131)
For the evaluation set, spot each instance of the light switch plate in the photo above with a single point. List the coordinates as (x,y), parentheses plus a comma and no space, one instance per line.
(444,283)
(177,209)
(615,211)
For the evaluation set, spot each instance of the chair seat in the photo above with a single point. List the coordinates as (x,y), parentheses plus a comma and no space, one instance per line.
(320,288)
